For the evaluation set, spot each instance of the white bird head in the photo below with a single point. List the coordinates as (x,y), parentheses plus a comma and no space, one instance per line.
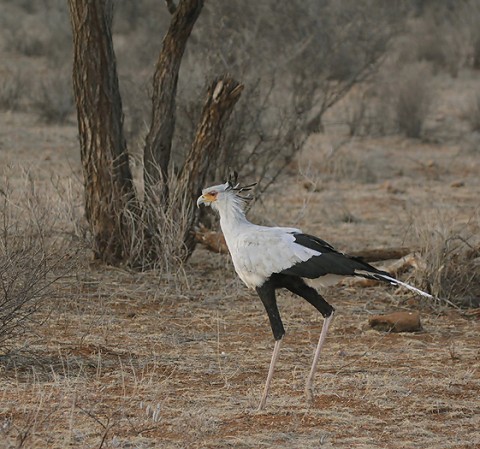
(218,195)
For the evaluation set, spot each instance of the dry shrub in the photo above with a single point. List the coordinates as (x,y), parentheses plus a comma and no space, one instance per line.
(473,114)
(341,159)
(21,40)
(33,254)
(12,90)
(469,17)
(356,112)
(437,43)
(296,59)
(42,32)
(451,254)
(440,34)
(260,140)
(156,232)
(53,99)
(413,98)
(394,101)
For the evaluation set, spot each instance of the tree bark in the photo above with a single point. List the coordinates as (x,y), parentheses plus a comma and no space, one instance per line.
(107,176)
(222,96)
(159,139)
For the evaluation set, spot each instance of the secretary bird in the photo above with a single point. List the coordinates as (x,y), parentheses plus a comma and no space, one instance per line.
(268,258)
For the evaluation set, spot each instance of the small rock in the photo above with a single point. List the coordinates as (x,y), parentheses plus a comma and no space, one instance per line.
(396,322)
(457,184)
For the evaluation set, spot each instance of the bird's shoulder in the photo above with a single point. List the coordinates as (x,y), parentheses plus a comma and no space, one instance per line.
(256,235)
(312,242)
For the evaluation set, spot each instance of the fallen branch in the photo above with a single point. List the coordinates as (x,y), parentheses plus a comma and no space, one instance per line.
(376,254)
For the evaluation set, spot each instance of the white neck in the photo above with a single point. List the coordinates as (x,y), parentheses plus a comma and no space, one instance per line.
(231,213)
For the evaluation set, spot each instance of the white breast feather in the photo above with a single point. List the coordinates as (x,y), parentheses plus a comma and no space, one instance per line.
(259,251)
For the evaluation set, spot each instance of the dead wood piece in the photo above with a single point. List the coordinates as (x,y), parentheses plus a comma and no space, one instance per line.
(404,264)
(213,241)
(376,254)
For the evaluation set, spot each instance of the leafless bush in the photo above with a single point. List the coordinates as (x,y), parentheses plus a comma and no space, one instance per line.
(19,39)
(356,112)
(437,43)
(296,60)
(53,100)
(447,35)
(343,158)
(347,49)
(473,114)
(438,34)
(32,257)
(451,255)
(260,141)
(12,90)
(392,101)
(468,19)
(476,52)
(371,109)
(412,100)
(45,32)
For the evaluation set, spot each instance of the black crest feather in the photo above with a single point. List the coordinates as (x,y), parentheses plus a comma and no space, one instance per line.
(234,185)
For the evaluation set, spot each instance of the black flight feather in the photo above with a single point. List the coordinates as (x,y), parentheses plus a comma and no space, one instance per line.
(331,261)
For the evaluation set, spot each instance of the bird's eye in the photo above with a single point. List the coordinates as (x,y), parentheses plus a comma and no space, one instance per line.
(214,193)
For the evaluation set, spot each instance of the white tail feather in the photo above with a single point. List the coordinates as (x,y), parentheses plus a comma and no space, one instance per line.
(385,277)
(404,284)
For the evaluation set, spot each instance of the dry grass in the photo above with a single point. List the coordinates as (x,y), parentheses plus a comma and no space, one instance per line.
(450,251)
(144,365)
(128,359)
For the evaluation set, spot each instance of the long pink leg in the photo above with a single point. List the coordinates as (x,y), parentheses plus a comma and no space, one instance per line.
(276,352)
(313,369)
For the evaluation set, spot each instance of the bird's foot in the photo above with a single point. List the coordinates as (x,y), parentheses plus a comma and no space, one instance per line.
(261,406)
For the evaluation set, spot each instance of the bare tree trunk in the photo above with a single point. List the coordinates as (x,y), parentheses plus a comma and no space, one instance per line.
(107,176)
(222,96)
(159,139)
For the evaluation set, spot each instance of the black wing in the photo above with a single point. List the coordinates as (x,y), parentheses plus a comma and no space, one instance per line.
(330,261)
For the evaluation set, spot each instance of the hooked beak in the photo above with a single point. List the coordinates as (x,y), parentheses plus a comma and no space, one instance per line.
(207,199)
(201,200)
